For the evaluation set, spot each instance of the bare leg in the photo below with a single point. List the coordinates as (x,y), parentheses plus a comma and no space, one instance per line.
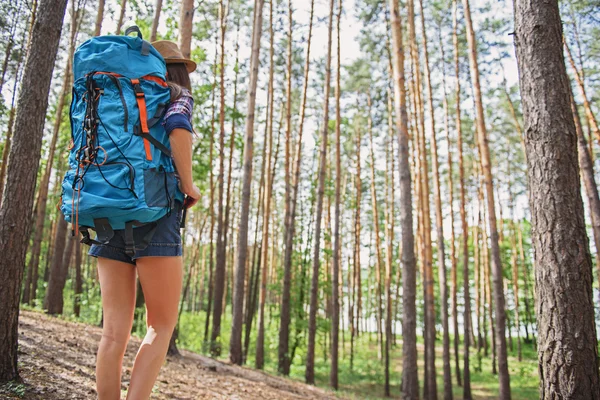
(161,279)
(117,285)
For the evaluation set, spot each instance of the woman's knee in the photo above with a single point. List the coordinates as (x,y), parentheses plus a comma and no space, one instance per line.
(116,336)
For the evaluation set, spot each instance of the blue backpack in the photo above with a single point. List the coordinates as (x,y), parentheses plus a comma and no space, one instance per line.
(121,174)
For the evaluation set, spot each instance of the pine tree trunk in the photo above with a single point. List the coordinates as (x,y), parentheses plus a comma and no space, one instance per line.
(593,123)
(121,16)
(515,267)
(389,183)
(378,268)
(267,151)
(235,349)
(99,18)
(211,206)
(556,210)
(53,301)
(439,232)
(453,261)
(186,26)
(410,384)
(463,215)
(221,262)
(314,288)
(498,285)
(42,198)
(335,274)
(284,360)
(156,20)
(283,356)
(21,172)
(587,175)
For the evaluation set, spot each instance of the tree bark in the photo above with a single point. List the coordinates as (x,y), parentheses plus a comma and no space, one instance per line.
(21,172)
(569,370)
(156,20)
(410,383)
(312,320)
(375,209)
(242,248)
(186,27)
(268,149)
(53,301)
(586,103)
(453,261)
(463,214)
(284,359)
(336,268)
(439,218)
(99,18)
(587,176)
(121,16)
(42,198)
(498,285)
(221,262)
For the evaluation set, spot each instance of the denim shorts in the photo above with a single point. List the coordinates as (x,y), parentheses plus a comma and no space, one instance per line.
(166,241)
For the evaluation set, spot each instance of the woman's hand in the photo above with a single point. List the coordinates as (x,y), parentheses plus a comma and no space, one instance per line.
(192,195)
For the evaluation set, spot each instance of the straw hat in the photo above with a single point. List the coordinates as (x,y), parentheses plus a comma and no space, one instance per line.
(171,53)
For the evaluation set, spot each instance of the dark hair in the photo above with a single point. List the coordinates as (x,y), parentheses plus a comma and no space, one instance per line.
(178,78)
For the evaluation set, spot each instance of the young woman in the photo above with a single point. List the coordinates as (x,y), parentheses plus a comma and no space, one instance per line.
(159,266)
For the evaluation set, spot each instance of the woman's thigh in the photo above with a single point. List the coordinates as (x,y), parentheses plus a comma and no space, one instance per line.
(117,286)
(161,280)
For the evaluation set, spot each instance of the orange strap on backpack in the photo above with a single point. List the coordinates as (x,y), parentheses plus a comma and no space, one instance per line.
(141,102)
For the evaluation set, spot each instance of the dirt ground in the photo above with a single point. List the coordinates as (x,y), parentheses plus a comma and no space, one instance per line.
(57,361)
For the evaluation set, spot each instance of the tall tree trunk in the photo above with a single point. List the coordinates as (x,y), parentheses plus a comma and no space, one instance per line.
(221,264)
(593,123)
(99,18)
(121,16)
(21,172)
(283,356)
(587,175)
(211,206)
(514,259)
(335,289)
(267,151)
(356,283)
(284,359)
(453,261)
(410,383)
(235,349)
(186,27)
(312,320)
(156,21)
(53,299)
(378,304)
(556,210)
(12,112)
(463,215)
(389,183)
(498,286)
(439,218)
(40,214)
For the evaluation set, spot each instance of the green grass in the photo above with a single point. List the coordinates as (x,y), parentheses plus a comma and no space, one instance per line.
(366,379)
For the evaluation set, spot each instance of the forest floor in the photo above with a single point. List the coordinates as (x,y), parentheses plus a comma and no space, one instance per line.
(57,361)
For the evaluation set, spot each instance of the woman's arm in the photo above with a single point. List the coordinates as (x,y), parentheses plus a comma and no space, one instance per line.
(181,148)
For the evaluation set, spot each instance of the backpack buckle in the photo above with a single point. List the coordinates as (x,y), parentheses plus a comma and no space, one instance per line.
(137,88)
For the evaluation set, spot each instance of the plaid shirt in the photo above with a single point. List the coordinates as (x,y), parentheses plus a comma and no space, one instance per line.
(183,105)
